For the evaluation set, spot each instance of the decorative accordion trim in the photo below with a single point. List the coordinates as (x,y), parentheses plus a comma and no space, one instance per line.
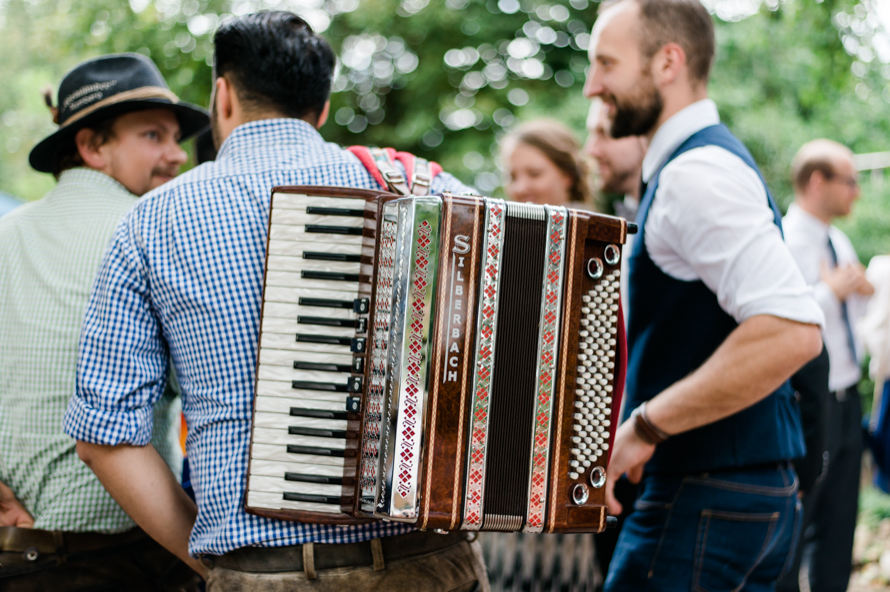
(409,445)
(488,304)
(547,352)
(374,404)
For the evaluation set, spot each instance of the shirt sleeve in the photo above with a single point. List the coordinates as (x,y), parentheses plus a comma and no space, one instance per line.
(713,218)
(122,362)
(448,182)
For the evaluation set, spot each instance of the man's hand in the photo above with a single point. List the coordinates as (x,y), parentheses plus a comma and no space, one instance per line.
(629,454)
(12,512)
(847,279)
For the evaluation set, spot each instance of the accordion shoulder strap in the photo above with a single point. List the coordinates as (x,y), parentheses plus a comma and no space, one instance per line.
(381,163)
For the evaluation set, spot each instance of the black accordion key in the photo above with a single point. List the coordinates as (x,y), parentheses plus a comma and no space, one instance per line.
(317,413)
(322,479)
(316,256)
(330,387)
(316,432)
(315,450)
(319,229)
(321,211)
(311,499)
(328,322)
(325,339)
(329,276)
(322,367)
(326,303)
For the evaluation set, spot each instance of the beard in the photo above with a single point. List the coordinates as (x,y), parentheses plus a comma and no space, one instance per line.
(637,114)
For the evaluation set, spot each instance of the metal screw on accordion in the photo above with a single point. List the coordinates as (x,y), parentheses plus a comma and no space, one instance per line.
(440,531)
(595,268)
(612,254)
(579,494)
(31,554)
(598,477)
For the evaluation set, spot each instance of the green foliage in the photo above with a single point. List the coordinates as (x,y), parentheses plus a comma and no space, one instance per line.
(447,79)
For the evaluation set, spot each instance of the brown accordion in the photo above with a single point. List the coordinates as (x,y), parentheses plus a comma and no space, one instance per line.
(452,362)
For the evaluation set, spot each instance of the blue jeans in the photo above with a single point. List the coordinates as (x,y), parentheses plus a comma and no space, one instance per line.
(712,532)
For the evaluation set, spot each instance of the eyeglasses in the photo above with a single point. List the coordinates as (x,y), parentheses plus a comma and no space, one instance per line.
(851,182)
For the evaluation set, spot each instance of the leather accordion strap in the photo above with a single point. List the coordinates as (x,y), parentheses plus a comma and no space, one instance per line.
(381,163)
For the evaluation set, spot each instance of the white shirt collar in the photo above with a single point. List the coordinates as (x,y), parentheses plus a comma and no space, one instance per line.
(676,130)
(807,223)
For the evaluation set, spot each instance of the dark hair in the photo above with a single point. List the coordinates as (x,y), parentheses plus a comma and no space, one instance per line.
(561,148)
(684,22)
(276,63)
(67,155)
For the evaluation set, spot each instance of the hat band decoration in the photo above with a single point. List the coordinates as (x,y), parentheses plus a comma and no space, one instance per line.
(146,92)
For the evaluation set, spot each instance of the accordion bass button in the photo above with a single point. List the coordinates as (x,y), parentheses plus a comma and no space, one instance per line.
(573,475)
(580,494)
(597,477)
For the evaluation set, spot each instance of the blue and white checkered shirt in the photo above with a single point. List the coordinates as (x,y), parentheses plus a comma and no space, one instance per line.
(183,275)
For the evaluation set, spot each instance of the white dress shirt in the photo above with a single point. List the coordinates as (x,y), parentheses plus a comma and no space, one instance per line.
(807,237)
(710,221)
(873,329)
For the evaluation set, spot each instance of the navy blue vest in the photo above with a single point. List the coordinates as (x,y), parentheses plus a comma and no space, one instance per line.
(674,326)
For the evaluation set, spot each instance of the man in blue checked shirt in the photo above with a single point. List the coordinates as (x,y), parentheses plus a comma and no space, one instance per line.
(182,280)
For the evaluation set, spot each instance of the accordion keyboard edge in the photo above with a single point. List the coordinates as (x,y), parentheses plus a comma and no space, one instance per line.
(494,361)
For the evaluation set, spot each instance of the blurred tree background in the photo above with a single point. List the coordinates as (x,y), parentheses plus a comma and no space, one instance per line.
(446,79)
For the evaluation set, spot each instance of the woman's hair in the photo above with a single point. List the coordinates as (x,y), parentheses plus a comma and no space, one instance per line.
(559,145)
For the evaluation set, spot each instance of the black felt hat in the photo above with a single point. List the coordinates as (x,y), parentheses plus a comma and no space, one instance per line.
(106,87)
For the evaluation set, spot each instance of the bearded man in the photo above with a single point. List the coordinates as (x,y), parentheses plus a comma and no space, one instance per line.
(720,318)
(118,137)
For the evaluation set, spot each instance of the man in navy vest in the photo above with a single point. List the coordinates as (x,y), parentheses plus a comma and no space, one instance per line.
(720,318)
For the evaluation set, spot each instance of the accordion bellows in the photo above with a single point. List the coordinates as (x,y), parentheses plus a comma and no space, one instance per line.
(471,378)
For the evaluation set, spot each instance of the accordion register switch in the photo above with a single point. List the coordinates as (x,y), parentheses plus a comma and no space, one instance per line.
(452,362)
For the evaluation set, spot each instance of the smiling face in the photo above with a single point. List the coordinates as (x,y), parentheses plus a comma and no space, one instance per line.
(532,177)
(143,151)
(620,75)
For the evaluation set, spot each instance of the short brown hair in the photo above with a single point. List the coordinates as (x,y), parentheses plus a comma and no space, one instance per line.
(684,22)
(816,155)
(68,157)
(561,148)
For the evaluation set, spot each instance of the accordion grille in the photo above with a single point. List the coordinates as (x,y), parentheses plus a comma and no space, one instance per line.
(514,381)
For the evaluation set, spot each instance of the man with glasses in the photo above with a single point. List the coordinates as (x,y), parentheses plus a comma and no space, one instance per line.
(825,187)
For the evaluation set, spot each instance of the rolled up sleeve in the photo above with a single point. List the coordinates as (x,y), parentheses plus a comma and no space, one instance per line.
(122,362)
(718,225)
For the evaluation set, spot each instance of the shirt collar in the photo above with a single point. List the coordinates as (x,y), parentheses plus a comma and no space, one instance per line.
(808,223)
(677,130)
(266,132)
(97,182)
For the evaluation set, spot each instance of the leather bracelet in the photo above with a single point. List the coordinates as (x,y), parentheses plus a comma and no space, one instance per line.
(645,429)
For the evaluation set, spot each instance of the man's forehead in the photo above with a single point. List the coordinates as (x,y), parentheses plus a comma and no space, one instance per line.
(611,24)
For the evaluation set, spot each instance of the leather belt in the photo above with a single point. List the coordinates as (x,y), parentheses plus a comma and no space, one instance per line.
(20,540)
(328,556)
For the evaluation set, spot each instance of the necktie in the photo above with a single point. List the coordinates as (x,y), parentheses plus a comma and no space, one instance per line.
(844,313)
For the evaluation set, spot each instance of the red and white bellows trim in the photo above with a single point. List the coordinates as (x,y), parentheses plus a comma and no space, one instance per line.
(488,299)
(548,345)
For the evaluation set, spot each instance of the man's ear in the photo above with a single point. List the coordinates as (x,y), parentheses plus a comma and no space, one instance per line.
(225,101)
(324,115)
(667,63)
(85,140)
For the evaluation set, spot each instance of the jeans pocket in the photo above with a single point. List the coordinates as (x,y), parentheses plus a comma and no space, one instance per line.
(729,547)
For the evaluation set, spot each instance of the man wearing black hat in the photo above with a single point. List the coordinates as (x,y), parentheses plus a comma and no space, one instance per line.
(118,137)
(182,281)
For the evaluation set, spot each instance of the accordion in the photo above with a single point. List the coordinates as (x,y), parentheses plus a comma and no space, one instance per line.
(452,362)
